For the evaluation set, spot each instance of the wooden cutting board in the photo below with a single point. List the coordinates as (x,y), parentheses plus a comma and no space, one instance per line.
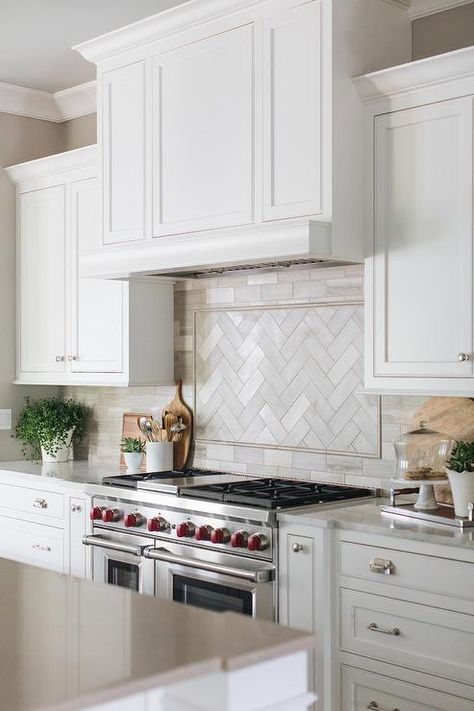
(179,408)
(452,416)
(130,428)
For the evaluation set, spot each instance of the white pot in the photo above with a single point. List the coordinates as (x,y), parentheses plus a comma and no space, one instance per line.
(462,486)
(62,454)
(133,461)
(159,456)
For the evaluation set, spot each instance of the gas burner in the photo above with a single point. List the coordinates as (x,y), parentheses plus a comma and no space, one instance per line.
(274,493)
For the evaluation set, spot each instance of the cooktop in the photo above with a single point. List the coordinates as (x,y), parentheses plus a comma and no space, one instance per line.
(274,493)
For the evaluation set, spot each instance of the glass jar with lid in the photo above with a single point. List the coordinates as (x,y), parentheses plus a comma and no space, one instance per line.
(422,454)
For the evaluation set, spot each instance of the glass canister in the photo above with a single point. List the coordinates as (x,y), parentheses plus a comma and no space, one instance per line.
(422,454)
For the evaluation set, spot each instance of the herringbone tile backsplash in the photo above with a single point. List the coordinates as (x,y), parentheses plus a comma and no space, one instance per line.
(278,371)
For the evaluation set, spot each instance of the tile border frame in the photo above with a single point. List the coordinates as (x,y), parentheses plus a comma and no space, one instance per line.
(267,307)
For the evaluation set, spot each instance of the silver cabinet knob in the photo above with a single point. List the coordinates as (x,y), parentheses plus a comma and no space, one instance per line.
(59,358)
(40,504)
(297,547)
(463,357)
(75,508)
(71,357)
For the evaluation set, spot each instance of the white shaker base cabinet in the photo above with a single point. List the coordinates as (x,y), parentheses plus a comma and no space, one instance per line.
(74,330)
(419,267)
(44,527)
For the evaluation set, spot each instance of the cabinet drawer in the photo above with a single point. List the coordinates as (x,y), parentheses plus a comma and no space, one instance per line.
(422,638)
(362,691)
(410,570)
(32,543)
(32,501)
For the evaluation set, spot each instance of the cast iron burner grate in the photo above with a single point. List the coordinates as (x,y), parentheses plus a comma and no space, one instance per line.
(275,493)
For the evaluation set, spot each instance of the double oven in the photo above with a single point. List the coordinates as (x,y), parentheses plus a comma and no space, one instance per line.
(183,569)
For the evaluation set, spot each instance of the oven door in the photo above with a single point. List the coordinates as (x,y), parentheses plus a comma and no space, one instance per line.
(215,581)
(118,559)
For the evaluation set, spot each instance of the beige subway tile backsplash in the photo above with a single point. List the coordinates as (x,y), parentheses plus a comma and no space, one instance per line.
(311,284)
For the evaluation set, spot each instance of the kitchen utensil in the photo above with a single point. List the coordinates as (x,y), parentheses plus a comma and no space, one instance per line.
(146,428)
(178,407)
(156,430)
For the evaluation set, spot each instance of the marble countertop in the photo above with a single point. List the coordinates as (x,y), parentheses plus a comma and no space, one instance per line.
(368,518)
(70,474)
(68,643)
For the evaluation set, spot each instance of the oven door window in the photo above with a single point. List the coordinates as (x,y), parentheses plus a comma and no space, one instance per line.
(122,574)
(211,596)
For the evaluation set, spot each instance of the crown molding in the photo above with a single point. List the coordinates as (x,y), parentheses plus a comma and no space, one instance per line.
(422,8)
(412,76)
(77,101)
(62,106)
(50,165)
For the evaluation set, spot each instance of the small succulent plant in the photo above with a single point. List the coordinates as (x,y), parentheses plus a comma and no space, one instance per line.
(132,445)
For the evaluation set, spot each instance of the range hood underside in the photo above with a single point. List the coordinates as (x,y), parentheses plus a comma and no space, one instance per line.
(268,246)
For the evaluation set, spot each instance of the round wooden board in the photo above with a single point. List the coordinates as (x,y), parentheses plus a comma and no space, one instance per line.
(452,416)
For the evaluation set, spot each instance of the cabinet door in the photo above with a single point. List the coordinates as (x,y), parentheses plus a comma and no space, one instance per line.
(422,251)
(203,134)
(32,543)
(362,690)
(292,113)
(42,265)
(123,154)
(97,328)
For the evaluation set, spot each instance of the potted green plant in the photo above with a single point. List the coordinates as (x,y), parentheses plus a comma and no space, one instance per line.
(460,470)
(48,426)
(133,449)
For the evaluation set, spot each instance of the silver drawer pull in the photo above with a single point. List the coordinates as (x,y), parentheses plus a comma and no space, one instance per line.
(40,504)
(75,508)
(373,706)
(382,566)
(373,627)
(39,547)
(297,547)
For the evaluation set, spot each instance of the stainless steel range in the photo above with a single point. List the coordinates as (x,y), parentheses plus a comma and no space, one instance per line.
(198,537)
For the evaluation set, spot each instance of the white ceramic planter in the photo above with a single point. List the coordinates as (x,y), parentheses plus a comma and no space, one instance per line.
(159,456)
(133,461)
(462,486)
(62,454)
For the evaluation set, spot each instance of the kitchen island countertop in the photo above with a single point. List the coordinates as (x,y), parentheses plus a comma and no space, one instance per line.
(70,643)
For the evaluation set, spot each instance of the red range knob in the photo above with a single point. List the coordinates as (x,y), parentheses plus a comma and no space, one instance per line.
(96,513)
(203,533)
(220,535)
(110,515)
(185,530)
(157,524)
(133,520)
(239,539)
(257,542)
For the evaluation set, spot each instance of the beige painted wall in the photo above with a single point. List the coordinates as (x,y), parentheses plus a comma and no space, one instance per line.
(444,31)
(80,132)
(21,139)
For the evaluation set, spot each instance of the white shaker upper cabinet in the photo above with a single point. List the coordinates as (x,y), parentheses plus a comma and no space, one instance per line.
(419,271)
(203,134)
(123,154)
(41,268)
(292,113)
(97,328)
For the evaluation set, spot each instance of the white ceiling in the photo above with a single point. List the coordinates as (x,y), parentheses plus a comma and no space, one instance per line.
(36,37)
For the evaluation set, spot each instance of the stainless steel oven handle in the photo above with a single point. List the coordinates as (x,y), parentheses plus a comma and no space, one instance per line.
(101,542)
(254,576)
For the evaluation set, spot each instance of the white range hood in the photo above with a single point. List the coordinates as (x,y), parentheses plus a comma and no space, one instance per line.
(230,133)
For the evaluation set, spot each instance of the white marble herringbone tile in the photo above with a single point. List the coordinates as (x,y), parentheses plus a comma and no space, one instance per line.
(286,376)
